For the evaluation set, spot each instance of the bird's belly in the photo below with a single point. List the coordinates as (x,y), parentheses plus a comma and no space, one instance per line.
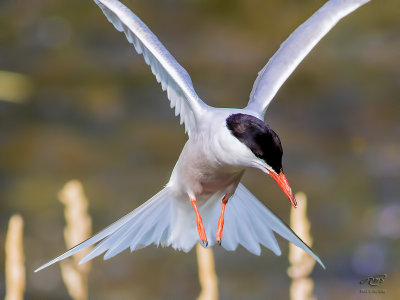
(205,179)
(202,170)
(212,182)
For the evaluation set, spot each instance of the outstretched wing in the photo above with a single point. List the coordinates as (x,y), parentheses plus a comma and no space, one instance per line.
(173,78)
(295,48)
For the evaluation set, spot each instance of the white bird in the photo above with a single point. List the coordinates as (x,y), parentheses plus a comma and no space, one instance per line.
(204,199)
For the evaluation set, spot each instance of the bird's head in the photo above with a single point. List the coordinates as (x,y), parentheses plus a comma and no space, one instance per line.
(264,143)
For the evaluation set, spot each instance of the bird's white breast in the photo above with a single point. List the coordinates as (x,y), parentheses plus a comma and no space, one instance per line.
(212,160)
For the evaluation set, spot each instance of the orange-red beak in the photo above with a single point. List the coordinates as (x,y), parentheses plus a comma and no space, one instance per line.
(284,185)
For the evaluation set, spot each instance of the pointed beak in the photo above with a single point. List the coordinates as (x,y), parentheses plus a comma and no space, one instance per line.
(284,185)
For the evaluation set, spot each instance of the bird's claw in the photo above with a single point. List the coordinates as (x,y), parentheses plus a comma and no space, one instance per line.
(219,241)
(204,243)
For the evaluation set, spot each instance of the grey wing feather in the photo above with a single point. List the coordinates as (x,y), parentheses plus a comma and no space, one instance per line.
(173,77)
(295,49)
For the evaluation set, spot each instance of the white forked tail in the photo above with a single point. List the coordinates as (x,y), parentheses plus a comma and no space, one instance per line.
(167,220)
(250,223)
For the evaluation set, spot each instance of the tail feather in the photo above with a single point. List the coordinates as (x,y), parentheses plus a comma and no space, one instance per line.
(167,220)
(112,233)
(139,236)
(239,227)
(247,204)
(148,225)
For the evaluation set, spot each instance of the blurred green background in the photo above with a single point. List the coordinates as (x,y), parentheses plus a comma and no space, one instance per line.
(87,107)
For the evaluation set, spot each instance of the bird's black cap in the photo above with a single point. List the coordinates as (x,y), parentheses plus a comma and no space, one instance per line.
(259,137)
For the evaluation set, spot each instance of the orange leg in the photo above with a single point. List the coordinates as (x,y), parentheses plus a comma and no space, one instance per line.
(221,220)
(199,223)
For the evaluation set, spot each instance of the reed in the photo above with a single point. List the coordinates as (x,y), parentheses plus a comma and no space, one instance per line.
(207,275)
(78,228)
(15,87)
(15,259)
(301,263)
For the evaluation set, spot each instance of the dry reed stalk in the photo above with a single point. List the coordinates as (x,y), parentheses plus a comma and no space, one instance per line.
(15,260)
(301,263)
(78,228)
(207,275)
(15,87)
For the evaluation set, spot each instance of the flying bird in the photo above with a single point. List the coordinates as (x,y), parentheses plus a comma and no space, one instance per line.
(204,200)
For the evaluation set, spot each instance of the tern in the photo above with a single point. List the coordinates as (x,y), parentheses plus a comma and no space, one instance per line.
(204,200)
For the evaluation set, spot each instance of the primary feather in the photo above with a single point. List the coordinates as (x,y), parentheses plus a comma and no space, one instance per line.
(173,77)
(295,49)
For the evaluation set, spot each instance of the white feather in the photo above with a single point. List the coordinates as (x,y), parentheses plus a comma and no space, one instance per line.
(295,49)
(163,65)
(213,160)
(168,220)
